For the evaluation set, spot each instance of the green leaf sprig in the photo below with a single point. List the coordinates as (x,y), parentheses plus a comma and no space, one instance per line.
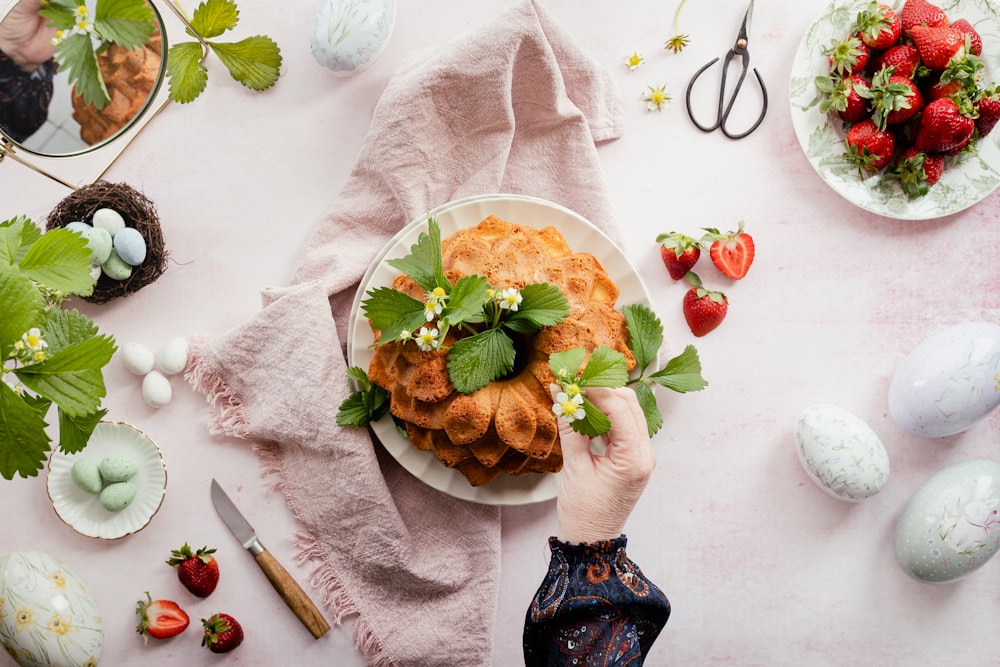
(49,355)
(368,404)
(608,368)
(254,62)
(80,37)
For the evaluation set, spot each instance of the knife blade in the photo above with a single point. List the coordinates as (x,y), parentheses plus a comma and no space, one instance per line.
(289,590)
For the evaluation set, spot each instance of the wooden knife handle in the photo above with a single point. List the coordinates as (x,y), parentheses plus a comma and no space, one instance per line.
(292,594)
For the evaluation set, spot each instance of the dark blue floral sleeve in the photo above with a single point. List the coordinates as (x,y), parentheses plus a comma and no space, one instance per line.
(594,607)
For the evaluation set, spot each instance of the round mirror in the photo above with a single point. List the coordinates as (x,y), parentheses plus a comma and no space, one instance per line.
(74,74)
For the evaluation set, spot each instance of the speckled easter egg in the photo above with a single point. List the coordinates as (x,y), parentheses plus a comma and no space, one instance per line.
(117,496)
(951,527)
(49,616)
(130,246)
(117,468)
(840,452)
(116,267)
(86,474)
(100,243)
(949,381)
(348,35)
(109,219)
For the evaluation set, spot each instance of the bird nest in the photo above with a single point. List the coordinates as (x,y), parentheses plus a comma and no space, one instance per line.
(138,211)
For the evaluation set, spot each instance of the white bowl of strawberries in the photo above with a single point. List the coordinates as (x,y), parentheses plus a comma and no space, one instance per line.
(895,104)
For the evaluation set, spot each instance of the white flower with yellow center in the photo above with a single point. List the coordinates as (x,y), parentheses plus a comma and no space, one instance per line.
(569,407)
(427,339)
(435,303)
(31,348)
(510,299)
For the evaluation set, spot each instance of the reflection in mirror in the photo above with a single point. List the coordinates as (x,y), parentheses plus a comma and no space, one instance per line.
(67,86)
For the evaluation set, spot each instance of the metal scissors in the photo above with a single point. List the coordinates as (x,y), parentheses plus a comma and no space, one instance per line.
(739,49)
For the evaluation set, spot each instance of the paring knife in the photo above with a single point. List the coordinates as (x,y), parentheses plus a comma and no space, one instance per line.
(287,587)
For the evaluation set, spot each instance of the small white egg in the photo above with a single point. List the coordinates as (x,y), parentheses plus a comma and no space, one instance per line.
(137,358)
(156,389)
(116,267)
(99,241)
(949,381)
(96,272)
(130,246)
(951,526)
(348,36)
(78,226)
(108,219)
(173,356)
(841,453)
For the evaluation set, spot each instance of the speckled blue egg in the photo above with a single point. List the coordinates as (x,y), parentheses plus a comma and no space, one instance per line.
(130,246)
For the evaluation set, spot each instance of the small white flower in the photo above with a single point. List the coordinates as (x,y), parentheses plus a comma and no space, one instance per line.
(435,303)
(510,299)
(568,407)
(427,339)
(31,348)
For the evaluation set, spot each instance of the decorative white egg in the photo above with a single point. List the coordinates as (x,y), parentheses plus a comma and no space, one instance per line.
(948,382)
(173,356)
(840,452)
(130,246)
(951,526)
(48,615)
(348,35)
(156,389)
(137,358)
(109,219)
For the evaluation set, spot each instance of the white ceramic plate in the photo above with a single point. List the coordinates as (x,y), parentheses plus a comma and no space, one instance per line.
(581,235)
(82,511)
(967,178)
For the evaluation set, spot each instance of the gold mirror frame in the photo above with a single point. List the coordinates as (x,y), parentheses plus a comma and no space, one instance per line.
(48,164)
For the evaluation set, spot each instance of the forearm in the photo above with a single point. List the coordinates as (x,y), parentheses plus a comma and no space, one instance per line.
(594,603)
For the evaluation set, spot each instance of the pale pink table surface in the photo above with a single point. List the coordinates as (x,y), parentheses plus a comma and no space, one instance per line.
(761,567)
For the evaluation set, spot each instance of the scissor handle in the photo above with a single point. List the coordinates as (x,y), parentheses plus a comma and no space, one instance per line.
(722,113)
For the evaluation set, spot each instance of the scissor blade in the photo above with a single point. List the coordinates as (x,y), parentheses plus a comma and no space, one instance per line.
(741,42)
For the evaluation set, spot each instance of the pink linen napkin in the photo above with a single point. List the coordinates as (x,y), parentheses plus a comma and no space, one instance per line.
(514,107)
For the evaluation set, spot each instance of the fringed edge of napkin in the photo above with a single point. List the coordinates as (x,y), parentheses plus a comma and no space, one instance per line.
(229,418)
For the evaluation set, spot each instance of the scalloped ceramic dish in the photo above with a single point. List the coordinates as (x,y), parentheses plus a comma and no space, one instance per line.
(581,235)
(82,511)
(967,178)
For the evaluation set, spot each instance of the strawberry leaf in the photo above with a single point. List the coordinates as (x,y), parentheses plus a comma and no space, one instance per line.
(424,264)
(465,302)
(647,401)
(24,308)
(682,373)
(128,23)
(645,334)
(75,55)
(566,365)
(60,260)
(214,17)
(392,312)
(605,368)
(594,422)
(255,61)
(186,75)
(542,305)
(476,361)
(75,432)
(25,443)
(366,405)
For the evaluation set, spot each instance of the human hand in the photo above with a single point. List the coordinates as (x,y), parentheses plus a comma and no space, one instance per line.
(24,37)
(597,493)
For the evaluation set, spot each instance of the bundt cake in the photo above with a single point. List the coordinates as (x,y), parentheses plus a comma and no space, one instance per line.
(508,426)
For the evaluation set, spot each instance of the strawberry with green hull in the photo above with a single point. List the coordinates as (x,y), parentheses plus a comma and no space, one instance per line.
(848,56)
(916,171)
(843,97)
(679,253)
(160,619)
(892,99)
(975,46)
(903,58)
(916,12)
(938,45)
(704,310)
(223,633)
(869,147)
(197,570)
(987,111)
(878,26)
(732,252)
(944,128)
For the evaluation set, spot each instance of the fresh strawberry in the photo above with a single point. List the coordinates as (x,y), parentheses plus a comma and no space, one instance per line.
(961,77)
(869,147)
(842,96)
(937,46)
(903,58)
(848,56)
(916,171)
(223,633)
(197,570)
(988,110)
(878,26)
(160,618)
(893,99)
(679,253)
(917,12)
(732,252)
(975,41)
(703,309)
(943,127)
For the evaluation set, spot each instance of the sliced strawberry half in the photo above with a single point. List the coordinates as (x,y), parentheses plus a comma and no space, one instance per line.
(160,618)
(732,252)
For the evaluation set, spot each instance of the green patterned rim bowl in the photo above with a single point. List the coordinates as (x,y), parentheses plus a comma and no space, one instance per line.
(967,178)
